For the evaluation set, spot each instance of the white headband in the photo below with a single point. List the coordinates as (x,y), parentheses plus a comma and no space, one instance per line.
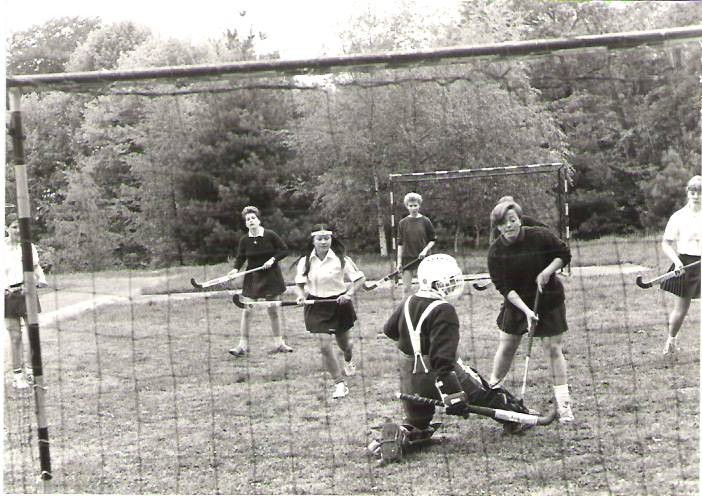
(321,232)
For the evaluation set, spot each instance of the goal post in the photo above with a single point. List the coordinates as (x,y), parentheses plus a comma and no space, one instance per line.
(188,143)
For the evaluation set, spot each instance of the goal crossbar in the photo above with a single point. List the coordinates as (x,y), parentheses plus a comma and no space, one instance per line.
(557,168)
(482,172)
(360,62)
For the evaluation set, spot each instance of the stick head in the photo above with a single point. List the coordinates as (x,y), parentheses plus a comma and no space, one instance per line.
(478,287)
(195,284)
(641,284)
(236,299)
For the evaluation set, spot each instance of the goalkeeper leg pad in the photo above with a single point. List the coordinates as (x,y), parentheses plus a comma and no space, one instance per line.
(391,443)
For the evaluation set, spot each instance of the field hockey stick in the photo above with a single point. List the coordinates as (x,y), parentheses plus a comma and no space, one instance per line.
(668,275)
(482,286)
(373,285)
(493,413)
(530,341)
(220,280)
(236,299)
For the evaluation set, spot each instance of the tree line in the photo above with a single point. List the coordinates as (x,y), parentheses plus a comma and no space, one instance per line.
(128,178)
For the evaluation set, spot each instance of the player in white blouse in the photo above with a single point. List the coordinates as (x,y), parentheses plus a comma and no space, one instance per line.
(682,243)
(322,273)
(15,308)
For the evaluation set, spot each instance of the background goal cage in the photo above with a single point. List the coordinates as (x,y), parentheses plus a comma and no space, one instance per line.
(136,387)
(460,201)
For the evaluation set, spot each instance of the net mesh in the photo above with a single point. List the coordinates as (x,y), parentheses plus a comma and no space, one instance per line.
(143,396)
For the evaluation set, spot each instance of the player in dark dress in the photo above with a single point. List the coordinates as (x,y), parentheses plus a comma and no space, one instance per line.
(260,248)
(426,329)
(522,261)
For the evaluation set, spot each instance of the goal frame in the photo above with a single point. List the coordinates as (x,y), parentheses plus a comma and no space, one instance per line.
(109,81)
(558,168)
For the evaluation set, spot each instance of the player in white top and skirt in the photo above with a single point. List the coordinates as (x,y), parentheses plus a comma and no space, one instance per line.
(15,307)
(682,243)
(321,273)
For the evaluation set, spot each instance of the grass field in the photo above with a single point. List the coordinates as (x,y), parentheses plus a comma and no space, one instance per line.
(143,398)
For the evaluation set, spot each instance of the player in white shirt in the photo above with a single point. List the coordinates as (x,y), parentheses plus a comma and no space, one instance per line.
(15,307)
(682,243)
(322,274)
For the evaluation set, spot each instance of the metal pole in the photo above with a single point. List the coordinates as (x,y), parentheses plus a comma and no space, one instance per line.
(388,60)
(23,212)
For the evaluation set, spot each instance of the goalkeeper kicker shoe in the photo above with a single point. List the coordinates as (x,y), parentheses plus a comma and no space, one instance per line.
(391,443)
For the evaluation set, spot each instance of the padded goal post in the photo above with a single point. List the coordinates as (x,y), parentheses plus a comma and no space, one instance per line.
(459,202)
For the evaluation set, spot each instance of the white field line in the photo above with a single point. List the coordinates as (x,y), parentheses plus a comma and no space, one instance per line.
(53,318)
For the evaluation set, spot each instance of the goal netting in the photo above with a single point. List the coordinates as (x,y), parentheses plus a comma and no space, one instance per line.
(137,181)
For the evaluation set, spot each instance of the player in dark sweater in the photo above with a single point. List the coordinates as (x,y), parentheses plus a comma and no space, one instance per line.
(526,221)
(522,261)
(260,248)
(415,238)
(426,329)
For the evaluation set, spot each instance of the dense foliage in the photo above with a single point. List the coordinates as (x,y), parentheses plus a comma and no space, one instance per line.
(134,180)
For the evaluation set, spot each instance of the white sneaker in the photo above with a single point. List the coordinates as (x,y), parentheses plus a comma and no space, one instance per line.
(671,347)
(19,382)
(29,374)
(373,449)
(340,391)
(350,368)
(565,414)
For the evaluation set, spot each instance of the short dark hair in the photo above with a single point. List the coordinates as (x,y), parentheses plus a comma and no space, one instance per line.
(498,214)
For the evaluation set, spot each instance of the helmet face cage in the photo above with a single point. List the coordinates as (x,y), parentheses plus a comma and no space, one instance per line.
(441,274)
(451,287)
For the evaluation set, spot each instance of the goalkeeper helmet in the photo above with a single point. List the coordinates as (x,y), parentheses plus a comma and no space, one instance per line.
(440,274)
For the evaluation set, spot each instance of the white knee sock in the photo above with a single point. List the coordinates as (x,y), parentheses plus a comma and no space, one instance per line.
(562,394)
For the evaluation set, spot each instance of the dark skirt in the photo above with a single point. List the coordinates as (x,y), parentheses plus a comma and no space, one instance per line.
(329,317)
(15,306)
(264,283)
(551,323)
(685,285)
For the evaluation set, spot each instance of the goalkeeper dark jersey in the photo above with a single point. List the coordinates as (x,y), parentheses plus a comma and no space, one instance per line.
(439,334)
